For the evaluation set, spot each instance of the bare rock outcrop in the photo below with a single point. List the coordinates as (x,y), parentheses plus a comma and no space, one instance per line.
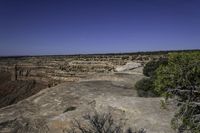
(53,109)
(31,74)
(128,66)
(57,69)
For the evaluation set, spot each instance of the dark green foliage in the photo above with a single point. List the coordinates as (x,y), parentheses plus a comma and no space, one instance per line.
(100,123)
(69,109)
(181,79)
(183,71)
(145,88)
(150,67)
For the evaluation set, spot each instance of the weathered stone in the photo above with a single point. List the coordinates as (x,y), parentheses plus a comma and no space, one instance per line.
(128,66)
(105,93)
(95,86)
(60,68)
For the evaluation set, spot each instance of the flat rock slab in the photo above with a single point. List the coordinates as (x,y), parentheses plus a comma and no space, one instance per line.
(47,110)
(128,66)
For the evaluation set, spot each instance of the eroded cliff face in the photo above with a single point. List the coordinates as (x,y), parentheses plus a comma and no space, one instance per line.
(22,77)
(48,111)
(56,69)
(13,91)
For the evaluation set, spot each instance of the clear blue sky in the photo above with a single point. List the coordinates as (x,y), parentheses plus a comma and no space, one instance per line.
(40,27)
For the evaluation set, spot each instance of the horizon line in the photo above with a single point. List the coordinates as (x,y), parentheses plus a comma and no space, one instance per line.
(106,53)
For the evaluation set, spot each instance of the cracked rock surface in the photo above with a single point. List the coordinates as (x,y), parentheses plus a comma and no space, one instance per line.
(49,110)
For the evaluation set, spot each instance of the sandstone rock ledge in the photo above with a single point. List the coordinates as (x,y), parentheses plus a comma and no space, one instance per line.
(46,111)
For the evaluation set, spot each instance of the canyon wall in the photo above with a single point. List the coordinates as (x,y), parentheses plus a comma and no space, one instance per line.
(55,69)
(21,77)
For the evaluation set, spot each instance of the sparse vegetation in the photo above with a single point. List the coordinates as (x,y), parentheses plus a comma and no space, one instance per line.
(100,123)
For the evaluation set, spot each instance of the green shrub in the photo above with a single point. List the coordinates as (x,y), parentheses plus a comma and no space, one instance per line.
(145,88)
(181,79)
(150,67)
(100,123)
